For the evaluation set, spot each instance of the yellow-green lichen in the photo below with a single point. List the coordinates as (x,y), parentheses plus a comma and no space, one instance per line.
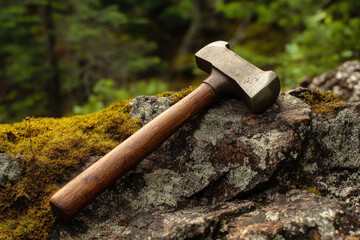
(322,102)
(48,150)
(313,190)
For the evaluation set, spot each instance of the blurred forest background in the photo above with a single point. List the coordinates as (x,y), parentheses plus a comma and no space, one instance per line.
(62,57)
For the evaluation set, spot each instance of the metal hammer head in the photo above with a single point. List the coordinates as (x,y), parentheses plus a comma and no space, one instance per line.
(258,89)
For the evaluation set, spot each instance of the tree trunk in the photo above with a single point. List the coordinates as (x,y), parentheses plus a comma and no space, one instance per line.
(54,84)
(193,30)
(241,31)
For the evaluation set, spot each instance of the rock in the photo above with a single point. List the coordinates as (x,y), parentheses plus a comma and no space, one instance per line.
(332,158)
(297,215)
(194,223)
(147,107)
(10,169)
(344,81)
(211,159)
(205,181)
(223,157)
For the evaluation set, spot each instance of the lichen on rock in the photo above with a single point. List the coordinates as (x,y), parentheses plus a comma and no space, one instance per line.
(344,81)
(204,181)
(161,189)
(332,154)
(147,107)
(211,159)
(10,169)
(297,215)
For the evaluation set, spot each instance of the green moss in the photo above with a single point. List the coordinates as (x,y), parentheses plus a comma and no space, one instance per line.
(49,150)
(222,223)
(177,96)
(313,190)
(322,102)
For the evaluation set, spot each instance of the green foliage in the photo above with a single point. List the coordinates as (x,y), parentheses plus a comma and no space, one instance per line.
(19,60)
(131,41)
(323,44)
(91,43)
(105,93)
(237,9)
(310,37)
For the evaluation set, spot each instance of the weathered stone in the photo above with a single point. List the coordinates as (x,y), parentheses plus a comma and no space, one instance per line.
(297,215)
(210,159)
(337,136)
(146,107)
(191,185)
(331,157)
(228,154)
(344,81)
(9,169)
(199,222)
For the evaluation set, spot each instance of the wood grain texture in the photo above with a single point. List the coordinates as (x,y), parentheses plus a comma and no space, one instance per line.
(75,195)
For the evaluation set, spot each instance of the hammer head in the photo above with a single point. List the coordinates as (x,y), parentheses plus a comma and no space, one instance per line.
(256,88)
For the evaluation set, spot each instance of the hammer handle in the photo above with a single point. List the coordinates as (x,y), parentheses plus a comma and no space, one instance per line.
(76,194)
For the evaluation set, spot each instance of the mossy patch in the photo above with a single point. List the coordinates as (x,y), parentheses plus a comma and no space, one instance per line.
(322,102)
(313,190)
(177,96)
(48,150)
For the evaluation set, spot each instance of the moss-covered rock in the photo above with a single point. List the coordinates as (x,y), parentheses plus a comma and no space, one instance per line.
(48,150)
(222,153)
(344,81)
(190,186)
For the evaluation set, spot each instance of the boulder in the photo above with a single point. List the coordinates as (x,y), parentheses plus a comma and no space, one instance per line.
(215,176)
(331,158)
(291,172)
(344,81)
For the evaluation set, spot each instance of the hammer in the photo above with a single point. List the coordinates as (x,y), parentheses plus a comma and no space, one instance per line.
(230,75)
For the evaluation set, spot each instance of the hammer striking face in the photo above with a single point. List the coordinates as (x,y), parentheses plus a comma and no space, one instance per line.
(230,75)
(256,88)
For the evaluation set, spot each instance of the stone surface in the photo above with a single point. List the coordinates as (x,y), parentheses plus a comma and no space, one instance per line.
(211,159)
(344,81)
(147,107)
(332,157)
(296,215)
(199,223)
(205,181)
(9,169)
(222,157)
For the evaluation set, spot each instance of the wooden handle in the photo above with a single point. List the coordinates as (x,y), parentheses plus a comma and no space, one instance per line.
(75,195)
